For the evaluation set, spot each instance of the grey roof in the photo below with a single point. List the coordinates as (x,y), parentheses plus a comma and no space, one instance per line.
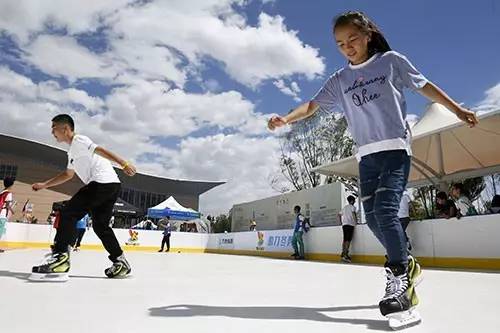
(57,158)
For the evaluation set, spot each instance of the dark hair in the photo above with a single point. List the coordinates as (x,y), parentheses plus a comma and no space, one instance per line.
(297,208)
(442,195)
(458,186)
(64,119)
(377,42)
(351,198)
(167,217)
(8,182)
(495,202)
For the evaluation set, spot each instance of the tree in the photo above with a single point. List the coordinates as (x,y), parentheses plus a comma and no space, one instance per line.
(222,224)
(320,139)
(425,200)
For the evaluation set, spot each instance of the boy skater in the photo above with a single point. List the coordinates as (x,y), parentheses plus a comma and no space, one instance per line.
(92,165)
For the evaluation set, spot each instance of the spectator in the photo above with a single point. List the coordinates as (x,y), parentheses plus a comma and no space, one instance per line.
(81,227)
(166,234)
(404,215)
(462,202)
(349,219)
(253,225)
(495,205)
(298,231)
(6,204)
(445,208)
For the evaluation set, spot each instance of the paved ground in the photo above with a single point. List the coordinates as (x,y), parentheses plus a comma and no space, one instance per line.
(221,293)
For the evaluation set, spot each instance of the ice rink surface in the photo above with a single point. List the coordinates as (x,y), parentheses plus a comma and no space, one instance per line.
(172,292)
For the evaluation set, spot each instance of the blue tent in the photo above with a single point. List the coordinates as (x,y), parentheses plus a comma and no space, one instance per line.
(172,208)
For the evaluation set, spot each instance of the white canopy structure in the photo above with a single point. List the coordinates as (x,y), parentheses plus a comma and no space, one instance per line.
(172,208)
(444,149)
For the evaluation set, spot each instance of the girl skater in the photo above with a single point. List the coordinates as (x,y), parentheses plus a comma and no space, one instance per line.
(369,91)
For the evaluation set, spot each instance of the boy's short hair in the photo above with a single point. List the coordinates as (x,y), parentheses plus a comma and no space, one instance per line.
(64,119)
(297,208)
(351,198)
(8,182)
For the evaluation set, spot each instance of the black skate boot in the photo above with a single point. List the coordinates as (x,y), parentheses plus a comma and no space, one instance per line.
(119,269)
(400,299)
(54,268)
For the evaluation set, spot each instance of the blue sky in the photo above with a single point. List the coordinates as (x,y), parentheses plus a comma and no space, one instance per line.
(184,88)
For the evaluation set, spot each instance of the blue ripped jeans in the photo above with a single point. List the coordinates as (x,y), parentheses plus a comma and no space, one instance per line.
(383,178)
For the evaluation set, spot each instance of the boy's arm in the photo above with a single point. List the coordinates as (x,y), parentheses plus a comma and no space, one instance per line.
(435,94)
(61,178)
(128,168)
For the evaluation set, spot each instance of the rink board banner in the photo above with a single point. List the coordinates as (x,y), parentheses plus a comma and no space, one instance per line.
(470,242)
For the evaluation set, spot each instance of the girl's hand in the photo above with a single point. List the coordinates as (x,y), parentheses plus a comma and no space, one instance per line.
(276,121)
(467,116)
(38,186)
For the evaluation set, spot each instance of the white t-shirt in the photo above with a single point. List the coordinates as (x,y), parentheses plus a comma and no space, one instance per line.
(347,215)
(88,165)
(404,205)
(4,213)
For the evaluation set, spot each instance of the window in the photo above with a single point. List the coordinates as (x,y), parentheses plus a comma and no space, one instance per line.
(8,171)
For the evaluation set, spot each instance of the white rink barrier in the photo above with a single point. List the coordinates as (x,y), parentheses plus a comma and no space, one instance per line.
(471,242)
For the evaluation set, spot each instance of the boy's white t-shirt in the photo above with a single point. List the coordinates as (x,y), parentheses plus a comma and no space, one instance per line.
(89,167)
(4,213)
(347,215)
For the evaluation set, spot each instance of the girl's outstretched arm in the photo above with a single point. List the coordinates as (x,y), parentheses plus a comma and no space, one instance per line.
(435,94)
(301,112)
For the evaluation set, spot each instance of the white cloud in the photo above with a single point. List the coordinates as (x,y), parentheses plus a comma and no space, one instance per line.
(492,98)
(412,119)
(152,108)
(245,162)
(23,18)
(293,90)
(62,56)
(153,49)
(213,29)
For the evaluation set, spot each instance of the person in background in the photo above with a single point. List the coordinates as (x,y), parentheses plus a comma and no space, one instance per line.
(81,227)
(6,205)
(298,231)
(404,214)
(445,207)
(349,218)
(166,234)
(253,225)
(495,205)
(462,201)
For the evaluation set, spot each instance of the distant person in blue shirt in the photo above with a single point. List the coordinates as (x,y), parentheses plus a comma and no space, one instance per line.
(298,231)
(81,226)
(166,234)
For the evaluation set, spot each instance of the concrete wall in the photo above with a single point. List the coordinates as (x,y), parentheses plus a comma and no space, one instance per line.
(471,242)
(321,204)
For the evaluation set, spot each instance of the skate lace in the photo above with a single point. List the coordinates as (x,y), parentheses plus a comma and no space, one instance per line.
(395,285)
(50,258)
(391,284)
